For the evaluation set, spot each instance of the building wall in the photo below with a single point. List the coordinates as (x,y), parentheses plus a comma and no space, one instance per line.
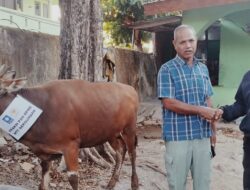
(234,62)
(32,55)
(136,69)
(16,19)
(27,20)
(37,57)
(234,54)
(176,5)
(29,6)
(202,18)
(234,47)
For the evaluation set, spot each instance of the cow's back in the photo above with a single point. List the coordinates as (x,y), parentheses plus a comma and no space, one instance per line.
(86,112)
(104,109)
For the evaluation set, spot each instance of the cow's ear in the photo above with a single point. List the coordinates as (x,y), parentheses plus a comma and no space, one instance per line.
(6,83)
(13,85)
(3,91)
(3,69)
(19,83)
(9,75)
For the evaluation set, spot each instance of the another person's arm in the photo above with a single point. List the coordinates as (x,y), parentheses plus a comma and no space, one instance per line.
(232,112)
(237,109)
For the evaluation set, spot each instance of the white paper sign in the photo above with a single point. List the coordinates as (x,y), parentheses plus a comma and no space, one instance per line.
(19,116)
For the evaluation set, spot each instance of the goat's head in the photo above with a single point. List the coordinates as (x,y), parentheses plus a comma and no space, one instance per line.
(8,83)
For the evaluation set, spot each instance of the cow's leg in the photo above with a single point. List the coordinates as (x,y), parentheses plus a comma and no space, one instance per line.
(45,164)
(134,177)
(71,161)
(130,138)
(120,149)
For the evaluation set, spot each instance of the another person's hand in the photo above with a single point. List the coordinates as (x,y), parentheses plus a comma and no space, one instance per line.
(218,114)
(210,114)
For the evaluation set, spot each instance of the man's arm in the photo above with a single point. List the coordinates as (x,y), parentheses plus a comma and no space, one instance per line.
(187,109)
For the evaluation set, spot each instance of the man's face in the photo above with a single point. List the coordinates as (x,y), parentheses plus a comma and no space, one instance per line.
(185,44)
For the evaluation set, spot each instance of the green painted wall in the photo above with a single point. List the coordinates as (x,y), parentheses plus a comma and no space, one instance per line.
(223,96)
(234,47)
(201,19)
(234,54)
(234,62)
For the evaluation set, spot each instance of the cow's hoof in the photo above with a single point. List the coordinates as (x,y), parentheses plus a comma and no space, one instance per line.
(111,185)
(135,182)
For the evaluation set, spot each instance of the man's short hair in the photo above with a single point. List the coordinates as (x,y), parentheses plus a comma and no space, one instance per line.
(181,27)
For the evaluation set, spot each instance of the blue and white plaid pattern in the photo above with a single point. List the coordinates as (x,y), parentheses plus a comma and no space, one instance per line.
(190,85)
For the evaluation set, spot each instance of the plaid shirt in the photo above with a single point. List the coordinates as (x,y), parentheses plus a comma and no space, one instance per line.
(190,85)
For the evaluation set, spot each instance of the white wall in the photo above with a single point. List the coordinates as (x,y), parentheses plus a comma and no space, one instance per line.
(18,19)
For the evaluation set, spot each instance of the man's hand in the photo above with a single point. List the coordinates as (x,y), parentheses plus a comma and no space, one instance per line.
(210,114)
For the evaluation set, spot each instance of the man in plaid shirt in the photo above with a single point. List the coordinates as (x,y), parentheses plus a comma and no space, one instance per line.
(185,89)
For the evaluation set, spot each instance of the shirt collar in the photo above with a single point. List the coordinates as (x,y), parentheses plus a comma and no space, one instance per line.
(182,62)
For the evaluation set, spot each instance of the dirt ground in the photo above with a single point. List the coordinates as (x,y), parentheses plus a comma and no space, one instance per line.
(226,167)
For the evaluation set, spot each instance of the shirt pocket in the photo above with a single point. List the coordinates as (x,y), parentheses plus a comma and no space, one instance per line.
(202,86)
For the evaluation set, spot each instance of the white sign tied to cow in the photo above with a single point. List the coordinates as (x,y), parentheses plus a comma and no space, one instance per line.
(19,116)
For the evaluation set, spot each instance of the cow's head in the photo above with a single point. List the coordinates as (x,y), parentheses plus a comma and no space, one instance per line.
(8,83)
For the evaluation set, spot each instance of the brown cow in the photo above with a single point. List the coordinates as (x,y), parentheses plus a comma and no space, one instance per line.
(78,114)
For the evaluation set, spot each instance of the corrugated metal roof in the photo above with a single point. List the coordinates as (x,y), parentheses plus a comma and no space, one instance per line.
(168,23)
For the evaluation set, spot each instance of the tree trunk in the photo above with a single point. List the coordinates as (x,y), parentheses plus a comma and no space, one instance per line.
(81,40)
(81,46)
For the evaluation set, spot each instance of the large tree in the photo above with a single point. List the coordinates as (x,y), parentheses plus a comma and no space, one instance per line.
(81,39)
(81,51)
(118,16)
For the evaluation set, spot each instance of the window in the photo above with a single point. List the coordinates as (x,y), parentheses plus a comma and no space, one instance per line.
(12,4)
(7,3)
(19,5)
(46,10)
(208,50)
(37,8)
(2,3)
